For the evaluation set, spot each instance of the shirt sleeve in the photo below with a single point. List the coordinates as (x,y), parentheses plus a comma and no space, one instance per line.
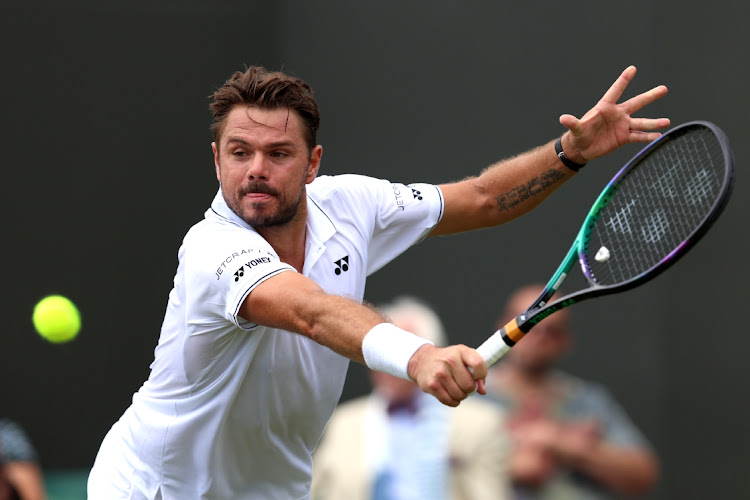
(620,429)
(593,400)
(224,267)
(402,221)
(393,216)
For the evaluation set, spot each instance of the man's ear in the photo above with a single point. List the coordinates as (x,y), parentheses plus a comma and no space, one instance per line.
(314,165)
(215,149)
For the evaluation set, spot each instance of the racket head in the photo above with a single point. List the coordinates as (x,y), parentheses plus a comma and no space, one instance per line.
(657,207)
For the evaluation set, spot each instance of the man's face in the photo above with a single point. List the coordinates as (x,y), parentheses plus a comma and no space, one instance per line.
(541,348)
(546,343)
(263,164)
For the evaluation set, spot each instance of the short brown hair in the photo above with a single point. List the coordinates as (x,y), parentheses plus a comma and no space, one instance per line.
(259,87)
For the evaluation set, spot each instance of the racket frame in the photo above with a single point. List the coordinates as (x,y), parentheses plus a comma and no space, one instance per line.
(505,338)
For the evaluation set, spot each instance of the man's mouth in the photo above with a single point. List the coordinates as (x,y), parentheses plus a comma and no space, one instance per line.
(257,197)
(257,192)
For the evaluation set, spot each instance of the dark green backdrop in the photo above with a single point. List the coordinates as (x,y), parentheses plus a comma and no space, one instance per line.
(107,163)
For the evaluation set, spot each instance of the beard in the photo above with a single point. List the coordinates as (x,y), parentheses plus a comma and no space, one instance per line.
(532,367)
(261,216)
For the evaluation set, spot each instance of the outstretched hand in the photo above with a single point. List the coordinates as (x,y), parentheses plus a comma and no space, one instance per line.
(609,125)
(450,374)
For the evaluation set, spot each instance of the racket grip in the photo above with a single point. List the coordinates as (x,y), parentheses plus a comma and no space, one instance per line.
(494,348)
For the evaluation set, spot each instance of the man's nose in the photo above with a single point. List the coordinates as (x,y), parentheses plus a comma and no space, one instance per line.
(258,167)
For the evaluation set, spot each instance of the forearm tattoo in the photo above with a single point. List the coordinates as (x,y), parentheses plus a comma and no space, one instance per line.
(522,193)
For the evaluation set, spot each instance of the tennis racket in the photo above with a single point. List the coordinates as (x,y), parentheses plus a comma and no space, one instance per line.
(660,204)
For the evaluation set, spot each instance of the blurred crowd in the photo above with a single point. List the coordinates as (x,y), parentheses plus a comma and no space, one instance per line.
(539,433)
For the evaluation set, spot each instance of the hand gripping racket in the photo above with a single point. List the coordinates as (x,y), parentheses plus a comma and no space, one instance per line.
(649,215)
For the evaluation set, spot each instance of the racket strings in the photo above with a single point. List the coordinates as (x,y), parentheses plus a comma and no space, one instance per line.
(656,207)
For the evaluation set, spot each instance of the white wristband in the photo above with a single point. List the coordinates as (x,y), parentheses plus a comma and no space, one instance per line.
(388,349)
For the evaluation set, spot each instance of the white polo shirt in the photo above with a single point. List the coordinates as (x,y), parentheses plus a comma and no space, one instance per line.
(234,410)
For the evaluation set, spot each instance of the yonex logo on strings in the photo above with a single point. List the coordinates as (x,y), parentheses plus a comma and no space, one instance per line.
(341,265)
(252,263)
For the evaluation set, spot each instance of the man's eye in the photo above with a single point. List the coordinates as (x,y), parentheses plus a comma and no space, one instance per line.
(239,154)
(278,154)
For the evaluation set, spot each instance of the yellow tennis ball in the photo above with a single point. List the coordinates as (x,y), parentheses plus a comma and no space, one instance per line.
(56,319)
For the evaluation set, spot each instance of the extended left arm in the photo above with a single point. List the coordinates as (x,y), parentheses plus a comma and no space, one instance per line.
(502,192)
(512,187)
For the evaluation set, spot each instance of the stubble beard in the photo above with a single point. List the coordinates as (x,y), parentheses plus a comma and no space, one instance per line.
(534,369)
(258,217)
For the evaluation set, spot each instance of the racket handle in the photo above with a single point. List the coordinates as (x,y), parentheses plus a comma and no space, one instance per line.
(494,348)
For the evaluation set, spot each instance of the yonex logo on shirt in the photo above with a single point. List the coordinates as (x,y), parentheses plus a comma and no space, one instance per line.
(233,256)
(252,263)
(416,193)
(342,265)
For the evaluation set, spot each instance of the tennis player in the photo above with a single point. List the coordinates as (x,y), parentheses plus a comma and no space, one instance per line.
(266,310)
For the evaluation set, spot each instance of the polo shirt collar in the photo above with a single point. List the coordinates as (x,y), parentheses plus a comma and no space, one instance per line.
(219,207)
(319,223)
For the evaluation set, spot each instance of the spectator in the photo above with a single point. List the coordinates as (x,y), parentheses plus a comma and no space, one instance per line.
(20,474)
(399,443)
(570,438)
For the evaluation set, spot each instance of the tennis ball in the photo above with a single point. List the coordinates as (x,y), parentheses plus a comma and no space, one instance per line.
(56,319)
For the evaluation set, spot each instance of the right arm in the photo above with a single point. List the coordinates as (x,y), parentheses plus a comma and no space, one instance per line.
(293,302)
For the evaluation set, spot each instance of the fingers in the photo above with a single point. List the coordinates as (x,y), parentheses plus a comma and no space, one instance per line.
(448,376)
(645,129)
(638,136)
(446,390)
(615,91)
(611,97)
(474,361)
(481,387)
(648,124)
(570,122)
(641,100)
(609,125)
(457,381)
